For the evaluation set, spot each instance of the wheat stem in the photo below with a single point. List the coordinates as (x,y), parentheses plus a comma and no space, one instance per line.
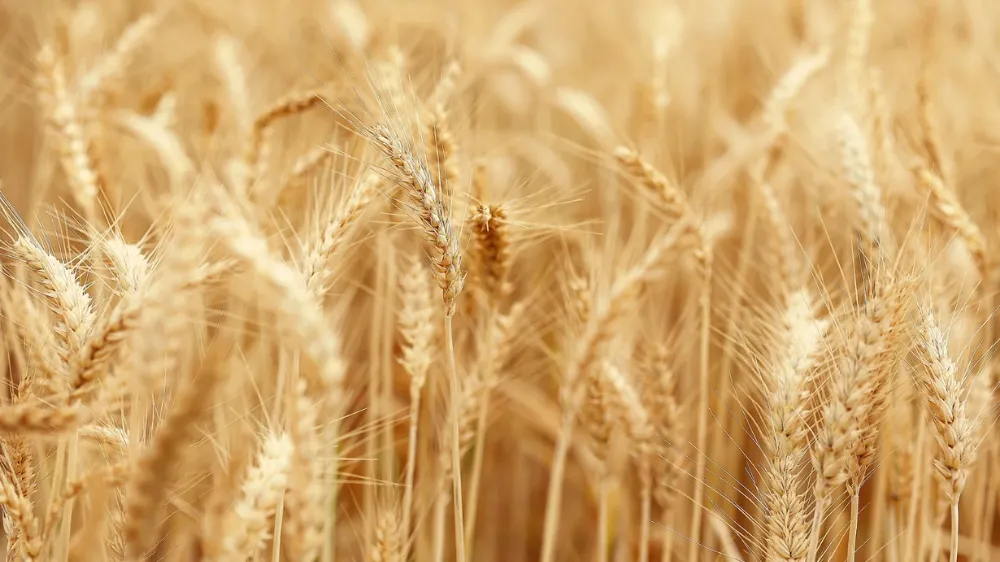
(278,520)
(604,490)
(668,538)
(912,525)
(852,536)
(817,526)
(411,457)
(553,501)
(479,452)
(440,515)
(953,557)
(646,508)
(705,303)
(330,527)
(456,452)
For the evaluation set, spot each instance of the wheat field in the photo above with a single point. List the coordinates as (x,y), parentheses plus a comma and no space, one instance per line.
(553,280)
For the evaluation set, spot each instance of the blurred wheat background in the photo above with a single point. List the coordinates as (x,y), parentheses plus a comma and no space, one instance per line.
(434,280)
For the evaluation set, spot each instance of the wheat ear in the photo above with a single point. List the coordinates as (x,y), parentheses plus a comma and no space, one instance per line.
(956,430)
(318,266)
(18,509)
(254,155)
(72,141)
(947,209)
(65,295)
(246,529)
(598,419)
(431,210)
(660,400)
(390,536)
(307,497)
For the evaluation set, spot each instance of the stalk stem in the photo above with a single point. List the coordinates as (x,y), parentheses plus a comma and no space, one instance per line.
(553,503)
(456,453)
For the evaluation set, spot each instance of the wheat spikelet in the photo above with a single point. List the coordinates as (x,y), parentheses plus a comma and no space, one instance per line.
(108,341)
(947,209)
(18,509)
(661,401)
(318,264)
(246,529)
(390,538)
(845,441)
(631,412)
(787,271)
(305,500)
(786,411)
(73,142)
(957,432)
(416,324)
(46,369)
(582,295)
(786,380)
(858,379)
(34,418)
(228,55)
(597,414)
(127,264)
(858,45)
(19,454)
(442,150)
(881,357)
(858,171)
(673,200)
(787,524)
(107,435)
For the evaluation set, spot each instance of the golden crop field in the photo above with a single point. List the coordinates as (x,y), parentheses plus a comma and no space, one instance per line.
(499,280)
